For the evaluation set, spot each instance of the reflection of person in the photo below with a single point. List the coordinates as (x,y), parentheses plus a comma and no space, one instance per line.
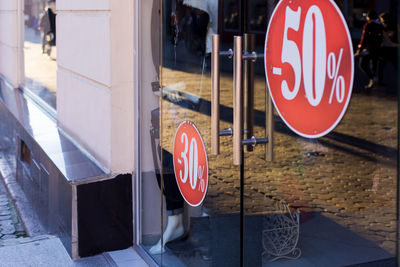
(52,17)
(44,27)
(388,51)
(195,21)
(211,8)
(368,48)
(47,25)
(232,21)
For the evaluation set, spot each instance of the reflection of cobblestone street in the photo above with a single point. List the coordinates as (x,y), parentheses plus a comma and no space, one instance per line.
(349,176)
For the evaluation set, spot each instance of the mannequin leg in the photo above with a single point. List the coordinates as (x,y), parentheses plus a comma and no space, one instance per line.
(173,230)
(173,197)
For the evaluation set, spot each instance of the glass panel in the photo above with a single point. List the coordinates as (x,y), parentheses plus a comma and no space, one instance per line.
(322,202)
(231,15)
(207,235)
(258,16)
(40,49)
(329,201)
(150,151)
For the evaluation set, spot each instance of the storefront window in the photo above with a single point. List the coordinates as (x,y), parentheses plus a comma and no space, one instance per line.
(325,201)
(40,50)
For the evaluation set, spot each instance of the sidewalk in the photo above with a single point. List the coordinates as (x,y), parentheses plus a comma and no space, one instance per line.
(42,251)
(23,241)
(47,250)
(10,225)
(16,247)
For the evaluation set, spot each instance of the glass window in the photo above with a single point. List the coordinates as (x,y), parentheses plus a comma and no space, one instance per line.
(40,50)
(231,15)
(327,201)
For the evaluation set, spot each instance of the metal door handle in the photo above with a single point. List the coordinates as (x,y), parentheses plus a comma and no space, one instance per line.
(252,56)
(215,84)
(237,132)
(269,129)
(237,100)
(215,91)
(248,87)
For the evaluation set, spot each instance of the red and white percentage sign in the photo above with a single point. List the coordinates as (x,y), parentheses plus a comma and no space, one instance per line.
(314,52)
(190,163)
(201,183)
(309,60)
(338,81)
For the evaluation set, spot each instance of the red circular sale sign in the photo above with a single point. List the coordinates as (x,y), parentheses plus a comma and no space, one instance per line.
(190,163)
(309,65)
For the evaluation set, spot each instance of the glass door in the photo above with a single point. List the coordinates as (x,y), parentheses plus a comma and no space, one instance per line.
(208,233)
(328,201)
(281,199)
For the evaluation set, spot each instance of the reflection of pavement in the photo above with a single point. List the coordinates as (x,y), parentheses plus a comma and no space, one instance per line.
(349,176)
(40,69)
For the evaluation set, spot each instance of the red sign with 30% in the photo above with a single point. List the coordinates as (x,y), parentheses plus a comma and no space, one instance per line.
(190,163)
(309,65)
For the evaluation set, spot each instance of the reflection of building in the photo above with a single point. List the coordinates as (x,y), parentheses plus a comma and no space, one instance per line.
(89,172)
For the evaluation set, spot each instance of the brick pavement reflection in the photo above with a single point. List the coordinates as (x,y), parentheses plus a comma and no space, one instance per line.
(349,176)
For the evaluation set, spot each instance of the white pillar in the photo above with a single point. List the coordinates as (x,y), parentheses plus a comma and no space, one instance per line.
(95,78)
(9,36)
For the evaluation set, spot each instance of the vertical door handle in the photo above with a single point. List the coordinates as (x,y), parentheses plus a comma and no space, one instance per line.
(237,131)
(215,86)
(248,87)
(237,101)
(269,129)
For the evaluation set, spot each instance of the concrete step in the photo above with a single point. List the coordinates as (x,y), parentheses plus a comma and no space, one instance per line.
(23,240)
(125,257)
(34,251)
(43,251)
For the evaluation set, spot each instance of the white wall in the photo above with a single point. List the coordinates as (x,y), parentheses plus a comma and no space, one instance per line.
(95,78)
(9,48)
